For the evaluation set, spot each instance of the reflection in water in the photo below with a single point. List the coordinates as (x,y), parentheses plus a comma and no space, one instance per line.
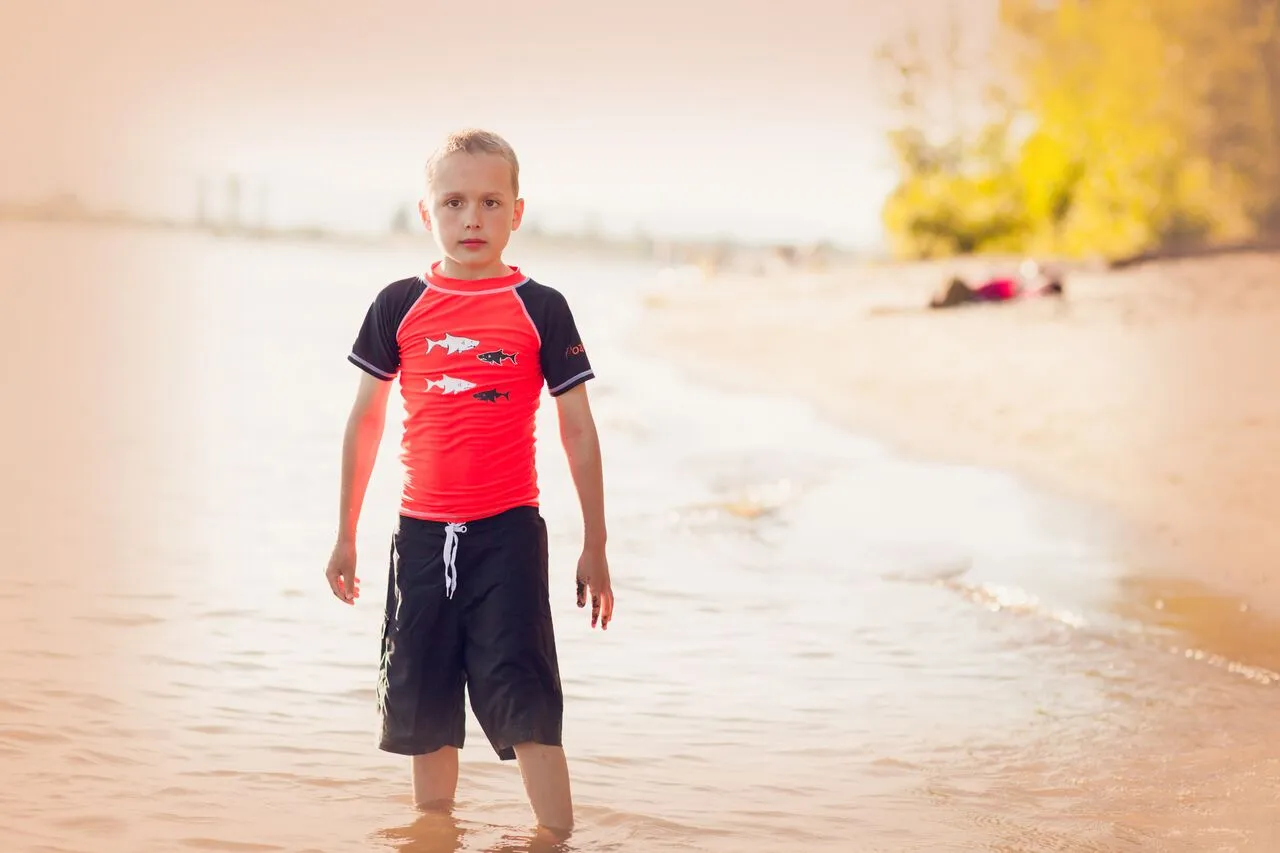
(818,646)
(433,832)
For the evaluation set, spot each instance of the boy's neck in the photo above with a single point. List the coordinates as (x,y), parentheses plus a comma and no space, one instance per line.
(448,268)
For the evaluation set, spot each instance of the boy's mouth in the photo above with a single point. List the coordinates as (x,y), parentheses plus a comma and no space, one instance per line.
(473,242)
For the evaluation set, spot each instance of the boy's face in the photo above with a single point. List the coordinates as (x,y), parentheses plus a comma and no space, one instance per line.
(471,209)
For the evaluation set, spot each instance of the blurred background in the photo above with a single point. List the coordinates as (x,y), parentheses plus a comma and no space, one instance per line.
(936,354)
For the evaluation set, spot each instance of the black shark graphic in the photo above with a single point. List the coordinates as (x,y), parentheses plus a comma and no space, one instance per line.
(497,357)
(491,396)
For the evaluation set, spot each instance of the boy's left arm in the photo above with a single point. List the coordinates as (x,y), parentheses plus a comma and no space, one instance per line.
(581,444)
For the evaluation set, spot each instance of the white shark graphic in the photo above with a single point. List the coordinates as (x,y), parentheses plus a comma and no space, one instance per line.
(450,385)
(452,344)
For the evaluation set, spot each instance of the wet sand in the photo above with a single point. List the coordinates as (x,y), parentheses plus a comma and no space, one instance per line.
(1150,392)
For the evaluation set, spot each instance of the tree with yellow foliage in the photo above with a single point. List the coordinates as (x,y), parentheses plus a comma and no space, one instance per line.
(1153,124)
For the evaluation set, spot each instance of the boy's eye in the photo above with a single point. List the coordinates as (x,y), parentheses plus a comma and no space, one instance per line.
(493,202)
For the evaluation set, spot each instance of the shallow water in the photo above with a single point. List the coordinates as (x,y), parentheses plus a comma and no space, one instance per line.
(818,645)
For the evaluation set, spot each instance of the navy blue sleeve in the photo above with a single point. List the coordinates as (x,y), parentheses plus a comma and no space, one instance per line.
(564,357)
(376,350)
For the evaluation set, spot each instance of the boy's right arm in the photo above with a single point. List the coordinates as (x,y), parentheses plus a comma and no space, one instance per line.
(360,443)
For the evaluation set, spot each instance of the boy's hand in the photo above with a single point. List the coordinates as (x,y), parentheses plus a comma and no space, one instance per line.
(341,572)
(593,572)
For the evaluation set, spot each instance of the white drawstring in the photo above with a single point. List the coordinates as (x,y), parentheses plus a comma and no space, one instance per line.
(451,531)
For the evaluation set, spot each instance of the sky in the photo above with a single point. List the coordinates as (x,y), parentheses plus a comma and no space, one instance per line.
(740,118)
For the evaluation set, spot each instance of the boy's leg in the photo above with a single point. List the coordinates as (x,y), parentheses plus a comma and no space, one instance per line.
(510,652)
(435,779)
(546,781)
(421,683)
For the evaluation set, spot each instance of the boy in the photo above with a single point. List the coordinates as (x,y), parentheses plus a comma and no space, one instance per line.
(473,341)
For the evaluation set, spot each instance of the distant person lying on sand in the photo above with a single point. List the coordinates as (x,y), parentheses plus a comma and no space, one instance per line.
(998,289)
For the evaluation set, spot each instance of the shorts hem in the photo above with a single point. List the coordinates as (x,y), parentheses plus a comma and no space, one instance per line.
(404,747)
(505,747)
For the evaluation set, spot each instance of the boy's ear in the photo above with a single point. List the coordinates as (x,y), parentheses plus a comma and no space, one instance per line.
(422,211)
(517,214)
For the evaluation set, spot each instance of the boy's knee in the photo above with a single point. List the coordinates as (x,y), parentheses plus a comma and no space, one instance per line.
(535,750)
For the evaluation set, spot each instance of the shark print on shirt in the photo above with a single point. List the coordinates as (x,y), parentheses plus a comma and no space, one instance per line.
(450,384)
(473,359)
(498,356)
(452,344)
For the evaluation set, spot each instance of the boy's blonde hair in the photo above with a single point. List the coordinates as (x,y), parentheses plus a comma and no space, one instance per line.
(475,141)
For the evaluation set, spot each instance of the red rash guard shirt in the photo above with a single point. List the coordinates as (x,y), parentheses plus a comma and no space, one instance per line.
(472,357)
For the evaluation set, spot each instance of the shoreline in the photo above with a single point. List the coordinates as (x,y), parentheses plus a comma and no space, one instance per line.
(1150,392)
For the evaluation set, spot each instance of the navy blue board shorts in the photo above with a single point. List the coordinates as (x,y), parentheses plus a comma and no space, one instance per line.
(468,606)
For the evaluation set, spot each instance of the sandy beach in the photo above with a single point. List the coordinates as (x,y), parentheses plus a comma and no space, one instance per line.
(1152,393)
(175,675)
